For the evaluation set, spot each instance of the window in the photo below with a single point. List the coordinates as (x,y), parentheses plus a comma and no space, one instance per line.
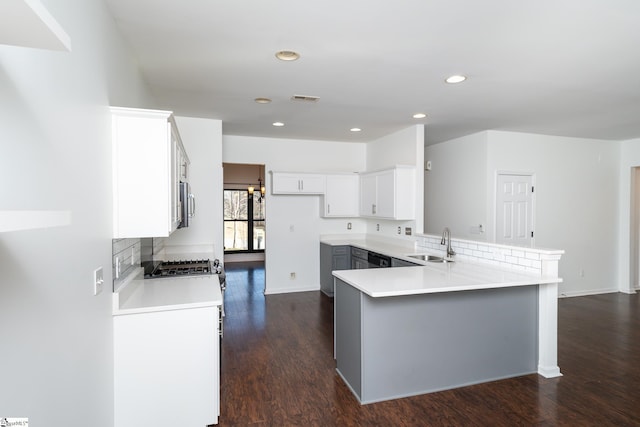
(244,224)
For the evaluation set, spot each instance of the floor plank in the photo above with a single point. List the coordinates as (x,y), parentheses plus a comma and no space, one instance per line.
(278,369)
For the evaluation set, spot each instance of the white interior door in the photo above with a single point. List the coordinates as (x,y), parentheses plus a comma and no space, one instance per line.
(514,210)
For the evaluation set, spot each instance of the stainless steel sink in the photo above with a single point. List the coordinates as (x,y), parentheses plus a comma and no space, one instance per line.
(430,258)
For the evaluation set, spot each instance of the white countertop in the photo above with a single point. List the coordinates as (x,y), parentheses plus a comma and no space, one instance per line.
(427,277)
(395,248)
(436,278)
(139,295)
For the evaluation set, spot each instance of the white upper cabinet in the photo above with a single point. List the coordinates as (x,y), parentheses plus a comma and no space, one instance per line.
(341,196)
(297,183)
(147,168)
(388,194)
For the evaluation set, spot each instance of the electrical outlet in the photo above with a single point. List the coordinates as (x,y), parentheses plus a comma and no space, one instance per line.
(407,231)
(292,275)
(98,280)
(348,226)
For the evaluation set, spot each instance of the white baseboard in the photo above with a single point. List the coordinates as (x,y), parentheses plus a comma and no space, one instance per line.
(273,291)
(589,292)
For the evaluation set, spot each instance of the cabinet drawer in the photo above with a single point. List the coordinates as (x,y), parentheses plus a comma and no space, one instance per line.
(340,250)
(359,253)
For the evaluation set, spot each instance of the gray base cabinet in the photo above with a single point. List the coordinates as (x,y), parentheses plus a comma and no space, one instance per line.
(396,262)
(332,258)
(387,348)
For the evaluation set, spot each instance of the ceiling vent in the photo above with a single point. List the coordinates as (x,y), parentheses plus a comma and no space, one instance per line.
(305,98)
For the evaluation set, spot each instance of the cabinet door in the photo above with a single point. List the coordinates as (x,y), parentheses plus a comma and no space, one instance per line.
(296,183)
(341,196)
(312,184)
(368,195)
(142,174)
(386,194)
(182,347)
(341,262)
(285,183)
(326,260)
(176,211)
(145,173)
(182,163)
(395,262)
(405,193)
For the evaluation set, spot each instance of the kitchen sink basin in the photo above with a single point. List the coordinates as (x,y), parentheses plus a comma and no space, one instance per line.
(430,258)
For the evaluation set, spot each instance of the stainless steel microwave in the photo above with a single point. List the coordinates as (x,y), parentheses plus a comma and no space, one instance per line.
(187,204)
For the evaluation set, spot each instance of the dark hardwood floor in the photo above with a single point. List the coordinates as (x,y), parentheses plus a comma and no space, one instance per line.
(278,369)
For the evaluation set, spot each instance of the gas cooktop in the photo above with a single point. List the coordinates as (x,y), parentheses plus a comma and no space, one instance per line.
(158,269)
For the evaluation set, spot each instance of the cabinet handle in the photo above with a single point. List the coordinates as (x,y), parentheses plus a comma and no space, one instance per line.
(373,209)
(301,185)
(328,208)
(221,319)
(192,201)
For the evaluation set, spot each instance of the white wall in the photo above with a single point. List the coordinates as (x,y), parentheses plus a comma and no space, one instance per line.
(202,140)
(576,183)
(576,202)
(293,223)
(455,189)
(56,362)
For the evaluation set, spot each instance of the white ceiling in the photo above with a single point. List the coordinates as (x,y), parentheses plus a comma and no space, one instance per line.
(558,67)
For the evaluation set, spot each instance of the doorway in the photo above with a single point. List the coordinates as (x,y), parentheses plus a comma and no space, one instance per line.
(634,246)
(514,209)
(244,217)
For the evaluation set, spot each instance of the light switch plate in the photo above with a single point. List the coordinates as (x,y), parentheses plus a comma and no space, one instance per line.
(98,280)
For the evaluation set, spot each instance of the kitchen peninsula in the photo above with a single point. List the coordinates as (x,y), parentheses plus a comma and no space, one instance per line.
(412,330)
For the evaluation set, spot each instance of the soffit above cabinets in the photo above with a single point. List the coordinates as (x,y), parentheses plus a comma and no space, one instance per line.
(27,23)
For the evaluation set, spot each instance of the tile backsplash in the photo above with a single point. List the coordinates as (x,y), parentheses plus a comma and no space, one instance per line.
(127,254)
(130,252)
(523,259)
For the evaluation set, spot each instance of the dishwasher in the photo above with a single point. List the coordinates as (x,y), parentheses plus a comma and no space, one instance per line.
(359,258)
(376,260)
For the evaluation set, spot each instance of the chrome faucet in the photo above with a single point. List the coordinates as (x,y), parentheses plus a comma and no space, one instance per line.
(446,240)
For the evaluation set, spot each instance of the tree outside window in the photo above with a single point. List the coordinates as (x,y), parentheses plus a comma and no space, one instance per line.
(244,222)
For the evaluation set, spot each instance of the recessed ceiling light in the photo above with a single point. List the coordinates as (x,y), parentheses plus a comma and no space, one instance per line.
(355,129)
(262,100)
(455,79)
(287,55)
(419,116)
(278,124)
